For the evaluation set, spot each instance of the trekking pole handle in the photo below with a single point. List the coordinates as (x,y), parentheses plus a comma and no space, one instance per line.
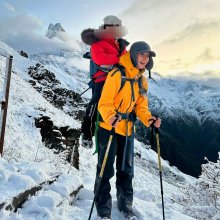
(117,115)
(154,120)
(116,119)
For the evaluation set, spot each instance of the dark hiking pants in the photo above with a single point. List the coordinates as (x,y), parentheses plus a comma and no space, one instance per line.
(124,186)
(88,124)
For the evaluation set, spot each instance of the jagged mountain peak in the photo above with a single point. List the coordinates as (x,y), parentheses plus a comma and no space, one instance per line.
(55,30)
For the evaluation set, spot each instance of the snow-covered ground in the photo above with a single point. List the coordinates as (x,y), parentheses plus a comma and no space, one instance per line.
(147,195)
(53,201)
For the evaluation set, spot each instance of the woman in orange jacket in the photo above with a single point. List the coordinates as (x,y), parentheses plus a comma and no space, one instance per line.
(120,105)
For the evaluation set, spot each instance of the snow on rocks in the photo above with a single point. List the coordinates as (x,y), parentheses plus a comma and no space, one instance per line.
(17,178)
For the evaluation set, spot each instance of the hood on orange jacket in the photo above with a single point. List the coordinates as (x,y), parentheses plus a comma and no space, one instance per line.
(111,98)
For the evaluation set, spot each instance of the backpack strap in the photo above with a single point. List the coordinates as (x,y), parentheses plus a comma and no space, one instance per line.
(121,69)
(140,82)
(128,116)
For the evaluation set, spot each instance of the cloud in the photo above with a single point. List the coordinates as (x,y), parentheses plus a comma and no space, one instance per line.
(156,21)
(194,29)
(25,32)
(208,55)
(19,31)
(205,78)
(9,7)
(19,25)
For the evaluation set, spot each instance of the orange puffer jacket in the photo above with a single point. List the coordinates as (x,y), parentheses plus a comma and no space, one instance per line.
(104,52)
(111,98)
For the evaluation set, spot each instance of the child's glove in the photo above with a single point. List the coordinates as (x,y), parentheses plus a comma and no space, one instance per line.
(122,43)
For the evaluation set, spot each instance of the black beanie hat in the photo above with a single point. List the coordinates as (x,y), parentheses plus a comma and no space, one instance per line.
(140,47)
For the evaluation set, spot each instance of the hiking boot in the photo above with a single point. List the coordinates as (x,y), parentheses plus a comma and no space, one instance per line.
(126,210)
(87,143)
(124,206)
(102,217)
(130,215)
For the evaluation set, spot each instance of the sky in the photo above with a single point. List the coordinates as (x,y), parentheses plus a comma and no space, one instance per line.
(184,34)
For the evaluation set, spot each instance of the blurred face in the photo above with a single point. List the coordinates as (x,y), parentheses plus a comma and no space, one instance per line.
(111,31)
(142,60)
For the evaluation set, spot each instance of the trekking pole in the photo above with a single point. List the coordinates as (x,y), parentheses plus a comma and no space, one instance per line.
(104,161)
(91,85)
(160,169)
(102,168)
(84,92)
(102,171)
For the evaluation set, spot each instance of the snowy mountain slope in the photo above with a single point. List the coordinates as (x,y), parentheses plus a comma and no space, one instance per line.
(167,96)
(191,122)
(178,98)
(53,203)
(21,132)
(24,147)
(70,69)
(23,142)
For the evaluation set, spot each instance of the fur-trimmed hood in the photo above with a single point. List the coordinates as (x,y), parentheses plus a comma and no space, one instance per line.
(88,36)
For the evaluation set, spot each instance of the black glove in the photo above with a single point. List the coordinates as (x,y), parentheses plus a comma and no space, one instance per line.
(122,45)
(87,55)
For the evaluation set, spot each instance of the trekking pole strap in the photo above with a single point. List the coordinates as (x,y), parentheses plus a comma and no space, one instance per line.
(125,148)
